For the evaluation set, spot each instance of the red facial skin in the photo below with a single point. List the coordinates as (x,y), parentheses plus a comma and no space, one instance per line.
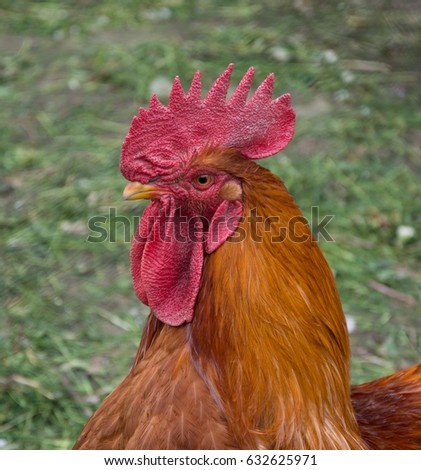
(187,219)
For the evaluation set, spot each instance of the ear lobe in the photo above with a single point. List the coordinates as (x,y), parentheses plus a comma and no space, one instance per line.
(231,191)
(223,224)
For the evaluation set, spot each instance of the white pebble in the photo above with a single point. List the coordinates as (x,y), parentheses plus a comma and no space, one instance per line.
(161,86)
(350,323)
(73,84)
(347,76)
(342,95)
(365,110)
(405,233)
(158,14)
(330,56)
(102,20)
(281,54)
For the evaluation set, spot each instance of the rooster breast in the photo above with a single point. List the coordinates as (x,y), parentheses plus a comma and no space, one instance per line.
(162,404)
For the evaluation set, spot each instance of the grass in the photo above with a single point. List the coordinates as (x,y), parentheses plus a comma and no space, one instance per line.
(72,76)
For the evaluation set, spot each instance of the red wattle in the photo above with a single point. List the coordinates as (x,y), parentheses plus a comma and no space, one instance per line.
(167,259)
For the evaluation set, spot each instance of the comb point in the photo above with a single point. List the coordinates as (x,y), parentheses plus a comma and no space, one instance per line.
(195,92)
(218,92)
(265,91)
(177,94)
(239,97)
(283,100)
(155,104)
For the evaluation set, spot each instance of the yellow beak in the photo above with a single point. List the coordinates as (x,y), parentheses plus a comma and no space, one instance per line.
(135,190)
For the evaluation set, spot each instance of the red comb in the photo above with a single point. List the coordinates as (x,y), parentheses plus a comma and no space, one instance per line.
(163,135)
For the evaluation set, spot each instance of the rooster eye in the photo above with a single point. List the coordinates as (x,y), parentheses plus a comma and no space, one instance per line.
(203,181)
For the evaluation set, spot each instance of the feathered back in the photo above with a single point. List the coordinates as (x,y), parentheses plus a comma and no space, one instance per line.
(162,136)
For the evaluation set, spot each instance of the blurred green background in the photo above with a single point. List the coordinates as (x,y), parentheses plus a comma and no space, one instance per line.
(73,74)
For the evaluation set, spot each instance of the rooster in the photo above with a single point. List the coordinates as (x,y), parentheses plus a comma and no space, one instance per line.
(246,345)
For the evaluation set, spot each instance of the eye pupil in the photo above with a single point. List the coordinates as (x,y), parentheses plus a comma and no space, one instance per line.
(203,179)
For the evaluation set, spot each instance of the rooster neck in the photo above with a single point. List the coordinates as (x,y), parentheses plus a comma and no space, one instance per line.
(269,336)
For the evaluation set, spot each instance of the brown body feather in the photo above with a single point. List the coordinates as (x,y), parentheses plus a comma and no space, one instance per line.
(265,362)
(388,410)
(162,404)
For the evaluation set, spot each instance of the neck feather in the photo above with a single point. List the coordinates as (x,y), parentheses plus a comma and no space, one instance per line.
(269,336)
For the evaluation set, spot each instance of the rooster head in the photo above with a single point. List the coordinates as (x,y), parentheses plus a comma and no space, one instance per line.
(196,204)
